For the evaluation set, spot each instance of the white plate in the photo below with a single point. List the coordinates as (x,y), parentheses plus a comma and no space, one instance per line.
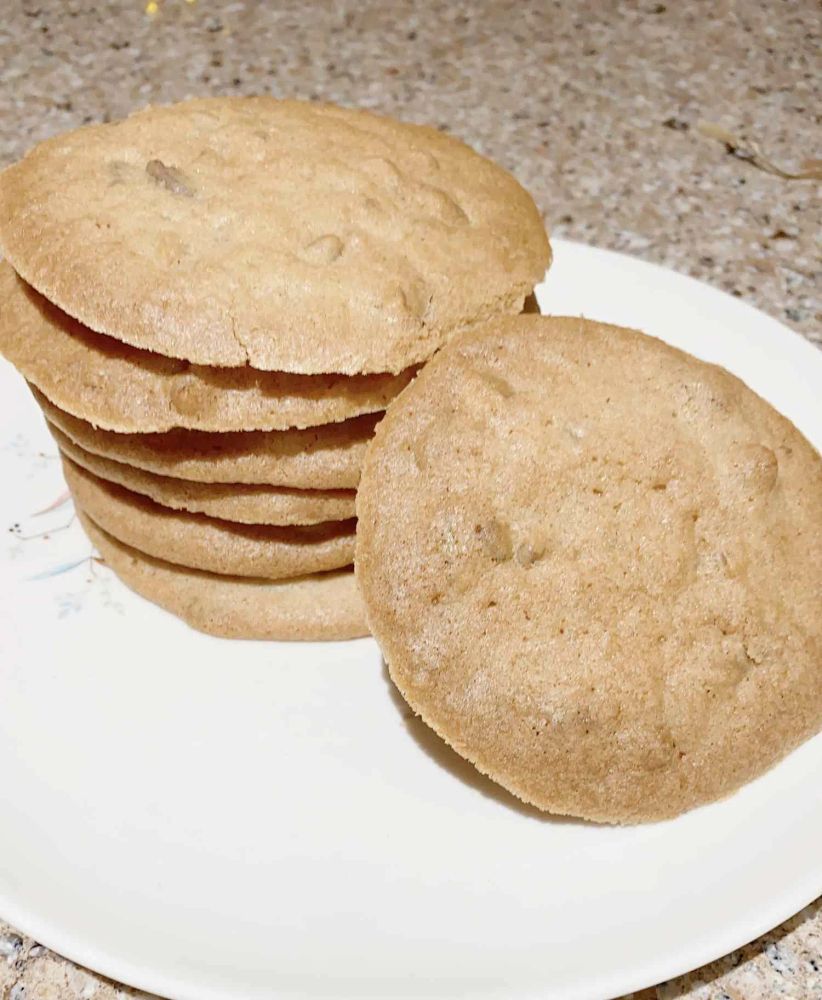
(212,819)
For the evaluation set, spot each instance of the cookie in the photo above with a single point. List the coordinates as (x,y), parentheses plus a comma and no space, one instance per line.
(229,501)
(310,608)
(317,458)
(290,236)
(594,566)
(122,388)
(200,542)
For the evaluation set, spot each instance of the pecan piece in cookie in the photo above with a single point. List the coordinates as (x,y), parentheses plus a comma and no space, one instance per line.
(170,177)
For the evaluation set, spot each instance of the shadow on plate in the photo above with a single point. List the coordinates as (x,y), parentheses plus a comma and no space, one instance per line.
(442,755)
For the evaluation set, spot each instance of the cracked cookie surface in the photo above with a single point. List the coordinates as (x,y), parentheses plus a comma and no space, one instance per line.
(122,388)
(286,235)
(594,566)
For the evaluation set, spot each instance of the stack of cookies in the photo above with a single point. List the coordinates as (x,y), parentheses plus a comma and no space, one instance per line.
(214,302)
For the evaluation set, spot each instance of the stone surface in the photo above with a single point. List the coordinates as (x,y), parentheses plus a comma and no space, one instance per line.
(594,106)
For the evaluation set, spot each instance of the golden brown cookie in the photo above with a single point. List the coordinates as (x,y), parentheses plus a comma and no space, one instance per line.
(122,388)
(291,236)
(310,608)
(594,566)
(317,458)
(200,542)
(228,501)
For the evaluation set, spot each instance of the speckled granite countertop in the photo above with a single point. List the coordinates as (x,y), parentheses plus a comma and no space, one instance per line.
(599,108)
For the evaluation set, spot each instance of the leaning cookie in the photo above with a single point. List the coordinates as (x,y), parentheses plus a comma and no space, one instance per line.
(594,566)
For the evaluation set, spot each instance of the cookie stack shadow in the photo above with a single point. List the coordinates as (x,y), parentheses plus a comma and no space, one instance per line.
(223,494)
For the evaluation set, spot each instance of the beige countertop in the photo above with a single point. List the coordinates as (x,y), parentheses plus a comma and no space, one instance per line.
(608,112)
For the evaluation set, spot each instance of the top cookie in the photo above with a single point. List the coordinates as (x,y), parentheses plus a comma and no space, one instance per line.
(594,566)
(285,235)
